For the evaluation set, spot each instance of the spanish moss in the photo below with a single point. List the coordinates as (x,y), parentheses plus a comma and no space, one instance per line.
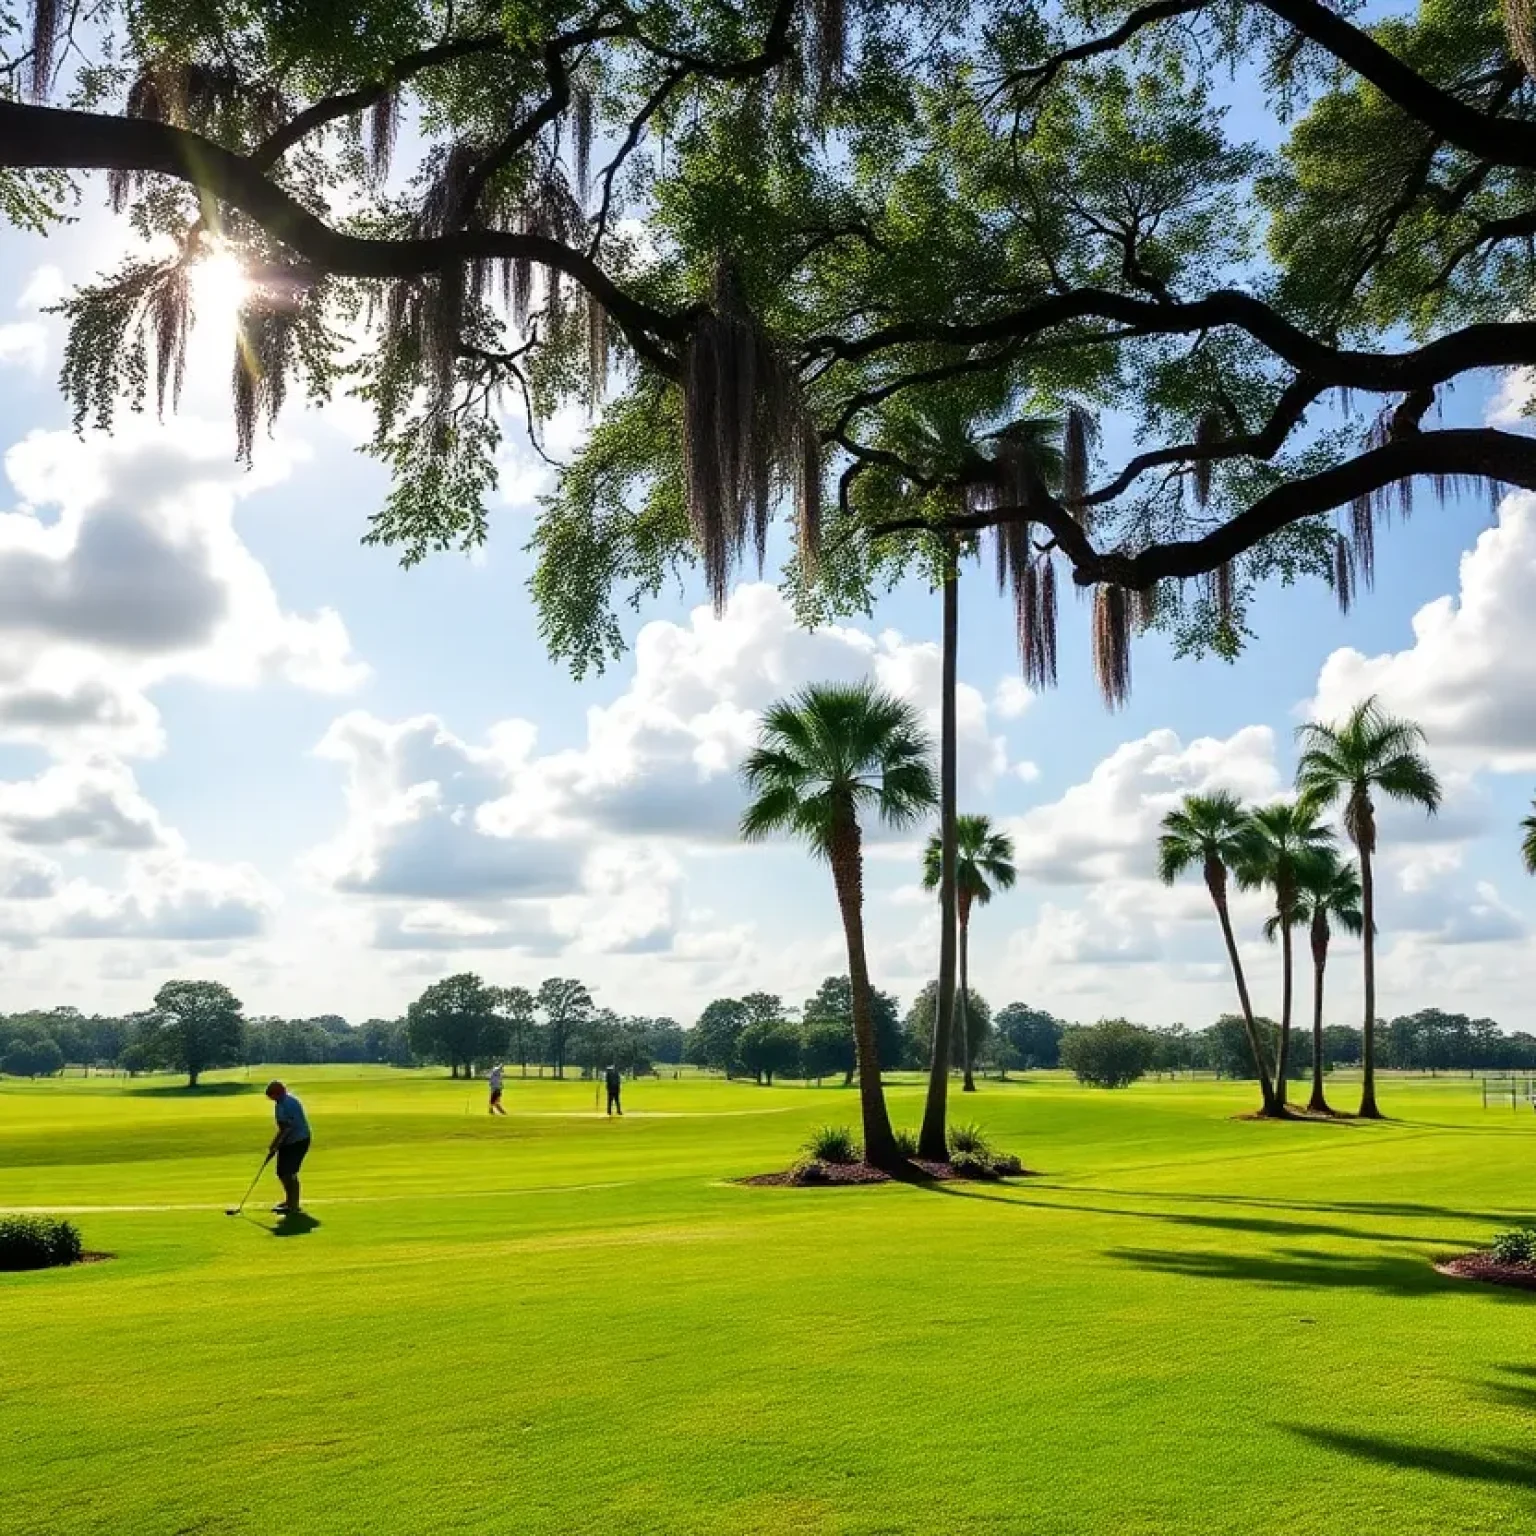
(1209,430)
(1145,602)
(1221,592)
(45,37)
(1362,541)
(170,318)
(808,497)
(1343,572)
(581,139)
(828,34)
(597,352)
(260,378)
(1520,25)
(383,129)
(1078,442)
(1111,644)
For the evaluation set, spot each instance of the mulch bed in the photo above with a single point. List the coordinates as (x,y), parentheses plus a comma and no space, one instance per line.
(862,1173)
(1483,1266)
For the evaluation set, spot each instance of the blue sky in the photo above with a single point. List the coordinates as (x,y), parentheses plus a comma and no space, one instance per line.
(236,743)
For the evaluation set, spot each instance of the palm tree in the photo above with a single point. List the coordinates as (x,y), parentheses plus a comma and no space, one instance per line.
(1528,843)
(983,864)
(1369,751)
(823,757)
(1283,834)
(1327,892)
(1213,831)
(943,432)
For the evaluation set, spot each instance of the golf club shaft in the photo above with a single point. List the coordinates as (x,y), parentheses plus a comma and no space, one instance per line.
(247,1195)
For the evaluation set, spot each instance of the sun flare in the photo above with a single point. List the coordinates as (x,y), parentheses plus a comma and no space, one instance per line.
(219,285)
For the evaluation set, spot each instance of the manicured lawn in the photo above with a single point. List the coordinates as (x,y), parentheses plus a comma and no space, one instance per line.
(554,1323)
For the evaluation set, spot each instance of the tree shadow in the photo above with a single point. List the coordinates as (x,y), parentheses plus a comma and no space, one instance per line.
(1258,1225)
(1406,1209)
(1513,1467)
(298,1225)
(1311,1269)
(202,1091)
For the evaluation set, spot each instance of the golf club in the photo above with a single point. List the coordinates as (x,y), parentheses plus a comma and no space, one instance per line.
(235,1210)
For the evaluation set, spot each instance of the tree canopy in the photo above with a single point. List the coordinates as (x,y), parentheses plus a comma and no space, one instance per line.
(771,235)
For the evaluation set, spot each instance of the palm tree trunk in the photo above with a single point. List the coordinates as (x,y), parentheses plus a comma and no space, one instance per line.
(1318,1103)
(933,1140)
(1368,1109)
(848,875)
(1283,1060)
(1255,1044)
(963,1005)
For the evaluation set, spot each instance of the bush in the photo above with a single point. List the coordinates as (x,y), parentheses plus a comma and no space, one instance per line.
(972,1165)
(1006,1166)
(808,1170)
(969,1137)
(834,1144)
(906,1143)
(1110,1054)
(1516,1246)
(38,1242)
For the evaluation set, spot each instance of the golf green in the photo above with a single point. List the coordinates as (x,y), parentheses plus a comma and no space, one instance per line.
(559,1323)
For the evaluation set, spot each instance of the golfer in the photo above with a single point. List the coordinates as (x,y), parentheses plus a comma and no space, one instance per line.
(495,1082)
(613,1082)
(290,1145)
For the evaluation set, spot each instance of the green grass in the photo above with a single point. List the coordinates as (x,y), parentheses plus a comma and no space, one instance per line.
(556,1323)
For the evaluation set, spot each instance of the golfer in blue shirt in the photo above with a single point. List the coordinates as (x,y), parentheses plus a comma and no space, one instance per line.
(290,1146)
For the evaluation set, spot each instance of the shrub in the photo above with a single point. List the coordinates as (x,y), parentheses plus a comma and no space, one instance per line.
(1516,1246)
(1006,1166)
(38,1242)
(1110,1054)
(808,1170)
(972,1165)
(906,1143)
(834,1144)
(969,1137)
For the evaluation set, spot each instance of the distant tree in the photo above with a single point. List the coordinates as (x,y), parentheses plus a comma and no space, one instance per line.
(516,1007)
(1110,1054)
(384,1040)
(1004,1055)
(1211,833)
(455,1022)
(769,1046)
(1032,1032)
(826,1046)
(983,864)
(1227,1048)
(712,1040)
(40,1057)
(195,1027)
(917,1028)
(666,1039)
(823,759)
(567,1006)
(134,1058)
(1176,1049)
(1528,842)
(833,1003)
(1368,753)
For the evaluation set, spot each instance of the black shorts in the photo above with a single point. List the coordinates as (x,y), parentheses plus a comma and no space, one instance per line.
(290,1158)
(495,1095)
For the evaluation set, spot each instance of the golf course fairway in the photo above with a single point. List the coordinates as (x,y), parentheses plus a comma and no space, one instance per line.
(1187,1322)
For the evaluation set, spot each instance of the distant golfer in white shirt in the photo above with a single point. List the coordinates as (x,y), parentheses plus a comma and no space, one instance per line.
(495,1082)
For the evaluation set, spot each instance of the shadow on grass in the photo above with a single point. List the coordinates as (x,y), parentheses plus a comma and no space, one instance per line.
(1259,1225)
(1310,1269)
(300,1225)
(202,1091)
(1514,1467)
(1406,1209)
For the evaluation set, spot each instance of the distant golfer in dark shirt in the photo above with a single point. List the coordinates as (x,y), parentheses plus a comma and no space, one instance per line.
(290,1145)
(613,1082)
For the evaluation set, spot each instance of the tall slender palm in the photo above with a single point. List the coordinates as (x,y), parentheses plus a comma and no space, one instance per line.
(1327,892)
(1213,831)
(824,757)
(1283,834)
(1368,752)
(1528,842)
(983,865)
(944,432)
